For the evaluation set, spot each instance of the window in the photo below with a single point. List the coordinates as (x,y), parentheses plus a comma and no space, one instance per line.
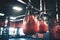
(12,31)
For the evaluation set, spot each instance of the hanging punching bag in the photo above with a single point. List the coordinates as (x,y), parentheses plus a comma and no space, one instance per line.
(55,29)
(3,23)
(30,25)
(42,27)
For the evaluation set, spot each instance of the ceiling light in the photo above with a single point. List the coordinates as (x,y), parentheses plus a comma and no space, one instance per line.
(21,1)
(1,14)
(17,8)
(20,16)
(56,16)
(19,20)
(13,18)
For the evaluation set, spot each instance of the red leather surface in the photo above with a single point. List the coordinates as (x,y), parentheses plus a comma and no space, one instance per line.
(31,25)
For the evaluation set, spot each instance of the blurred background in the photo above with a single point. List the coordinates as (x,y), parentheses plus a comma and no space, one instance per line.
(12,13)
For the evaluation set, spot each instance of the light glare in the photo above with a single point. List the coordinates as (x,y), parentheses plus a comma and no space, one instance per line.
(2,14)
(17,8)
(21,1)
(12,31)
(21,31)
(13,18)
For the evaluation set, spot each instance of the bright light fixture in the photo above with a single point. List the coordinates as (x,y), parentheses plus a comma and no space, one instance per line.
(48,31)
(21,1)
(19,20)
(17,8)
(16,20)
(20,16)
(1,14)
(1,28)
(13,18)
(56,16)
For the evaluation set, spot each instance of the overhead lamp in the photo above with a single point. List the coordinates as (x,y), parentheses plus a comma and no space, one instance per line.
(20,16)
(17,8)
(57,17)
(13,18)
(16,20)
(19,20)
(1,14)
(21,1)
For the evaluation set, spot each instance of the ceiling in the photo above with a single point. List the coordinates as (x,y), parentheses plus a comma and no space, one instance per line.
(50,5)
(6,7)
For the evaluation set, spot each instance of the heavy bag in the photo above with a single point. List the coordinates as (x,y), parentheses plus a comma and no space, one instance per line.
(43,28)
(3,23)
(31,25)
(55,29)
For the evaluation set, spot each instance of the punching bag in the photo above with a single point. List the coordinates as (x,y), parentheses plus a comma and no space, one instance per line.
(55,29)
(3,23)
(30,25)
(43,28)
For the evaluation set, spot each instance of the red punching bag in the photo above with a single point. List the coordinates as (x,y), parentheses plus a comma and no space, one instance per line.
(55,30)
(43,28)
(3,23)
(30,25)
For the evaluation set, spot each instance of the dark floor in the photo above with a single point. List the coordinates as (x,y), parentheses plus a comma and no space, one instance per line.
(46,37)
(25,39)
